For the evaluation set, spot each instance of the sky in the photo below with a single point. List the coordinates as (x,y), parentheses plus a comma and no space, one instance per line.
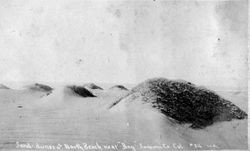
(124,41)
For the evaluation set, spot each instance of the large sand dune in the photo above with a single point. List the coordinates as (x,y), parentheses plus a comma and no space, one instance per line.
(62,118)
(184,102)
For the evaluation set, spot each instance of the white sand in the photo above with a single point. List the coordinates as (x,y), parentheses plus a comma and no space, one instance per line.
(32,117)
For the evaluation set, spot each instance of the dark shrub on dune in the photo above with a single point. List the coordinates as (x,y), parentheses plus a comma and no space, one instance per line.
(3,87)
(119,87)
(40,87)
(185,102)
(92,86)
(81,91)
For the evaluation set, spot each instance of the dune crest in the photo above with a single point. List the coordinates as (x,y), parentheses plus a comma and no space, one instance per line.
(92,86)
(184,102)
(121,87)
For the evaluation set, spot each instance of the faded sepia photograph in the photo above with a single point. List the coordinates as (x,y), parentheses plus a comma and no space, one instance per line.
(123,75)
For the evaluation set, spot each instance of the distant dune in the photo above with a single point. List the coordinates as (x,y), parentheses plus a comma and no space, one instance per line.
(121,87)
(184,102)
(40,87)
(37,87)
(3,86)
(92,86)
(80,91)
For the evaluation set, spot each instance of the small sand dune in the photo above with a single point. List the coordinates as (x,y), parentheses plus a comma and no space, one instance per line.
(184,102)
(40,87)
(79,91)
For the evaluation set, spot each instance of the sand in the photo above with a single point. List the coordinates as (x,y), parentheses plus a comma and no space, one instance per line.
(35,118)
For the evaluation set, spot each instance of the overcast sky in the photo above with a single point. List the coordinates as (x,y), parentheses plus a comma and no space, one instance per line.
(204,42)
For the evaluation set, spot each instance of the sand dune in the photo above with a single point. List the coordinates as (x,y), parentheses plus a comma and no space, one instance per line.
(65,117)
(184,102)
(80,91)
(40,87)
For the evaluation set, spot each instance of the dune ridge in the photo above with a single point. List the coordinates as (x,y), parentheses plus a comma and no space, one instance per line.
(119,87)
